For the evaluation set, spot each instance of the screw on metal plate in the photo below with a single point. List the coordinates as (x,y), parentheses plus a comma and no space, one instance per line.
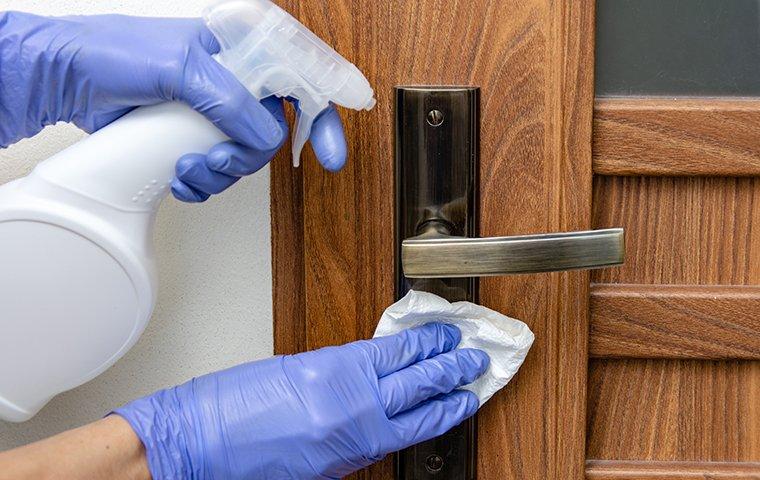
(435,118)
(434,463)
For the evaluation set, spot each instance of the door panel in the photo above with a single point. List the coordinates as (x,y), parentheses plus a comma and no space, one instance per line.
(682,230)
(675,321)
(534,63)
(683,136)
(666,390)
(674,410)
(685,310)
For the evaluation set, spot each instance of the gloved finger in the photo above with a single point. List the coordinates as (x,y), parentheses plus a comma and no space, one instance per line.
(191,169)
(328,139)
(276,107)
(207,39)
(227,161)
(441,374)
(434,417)
(214,91)
(186,193)
(394,352)
(234,159)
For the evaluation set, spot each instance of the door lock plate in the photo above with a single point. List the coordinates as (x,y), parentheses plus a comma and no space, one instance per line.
(436,177)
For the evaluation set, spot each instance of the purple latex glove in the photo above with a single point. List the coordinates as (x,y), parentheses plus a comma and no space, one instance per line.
(320,414)
(91,70)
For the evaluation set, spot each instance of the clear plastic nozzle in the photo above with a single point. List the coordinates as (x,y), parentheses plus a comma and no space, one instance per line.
(271,53)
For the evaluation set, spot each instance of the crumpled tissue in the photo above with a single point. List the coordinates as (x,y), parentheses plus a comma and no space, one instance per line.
(504,339)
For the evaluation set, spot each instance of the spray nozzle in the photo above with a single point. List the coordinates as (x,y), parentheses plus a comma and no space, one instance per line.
(271,53)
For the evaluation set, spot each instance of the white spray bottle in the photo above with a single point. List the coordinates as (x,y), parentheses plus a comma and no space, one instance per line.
(77,272)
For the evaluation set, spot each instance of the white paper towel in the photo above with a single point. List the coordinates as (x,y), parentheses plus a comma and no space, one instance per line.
(504,339)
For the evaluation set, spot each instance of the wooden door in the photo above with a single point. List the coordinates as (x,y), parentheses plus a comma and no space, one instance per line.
(634,370)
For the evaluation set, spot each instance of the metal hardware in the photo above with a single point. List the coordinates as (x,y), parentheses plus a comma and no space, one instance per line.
(435,118)
(434,463)
(436,175)
(441,256)
(436,163)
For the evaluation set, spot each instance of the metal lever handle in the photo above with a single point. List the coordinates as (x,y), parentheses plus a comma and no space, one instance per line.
(433,254)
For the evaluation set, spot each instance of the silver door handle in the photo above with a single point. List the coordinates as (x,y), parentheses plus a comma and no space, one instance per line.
(434,254)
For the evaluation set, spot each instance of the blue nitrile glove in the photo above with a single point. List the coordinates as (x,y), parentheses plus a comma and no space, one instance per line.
(320,414)
(91,70)
(199,176)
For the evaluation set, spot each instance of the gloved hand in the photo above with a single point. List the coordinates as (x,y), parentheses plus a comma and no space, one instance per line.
(320,414)
(91,70)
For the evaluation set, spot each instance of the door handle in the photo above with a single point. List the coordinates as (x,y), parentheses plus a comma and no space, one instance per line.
(436,254)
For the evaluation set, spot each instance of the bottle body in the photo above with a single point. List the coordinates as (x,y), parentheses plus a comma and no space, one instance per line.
(129,164)
(78,282)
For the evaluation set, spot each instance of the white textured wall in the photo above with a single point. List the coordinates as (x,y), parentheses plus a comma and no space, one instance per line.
(214,306)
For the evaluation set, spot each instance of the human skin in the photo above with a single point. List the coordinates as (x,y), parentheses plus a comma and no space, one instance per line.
(107,448)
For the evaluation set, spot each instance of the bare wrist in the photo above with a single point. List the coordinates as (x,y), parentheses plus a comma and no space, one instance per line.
(106,449)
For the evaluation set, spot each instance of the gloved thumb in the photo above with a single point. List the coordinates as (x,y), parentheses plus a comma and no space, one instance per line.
(328,140)
(216,93)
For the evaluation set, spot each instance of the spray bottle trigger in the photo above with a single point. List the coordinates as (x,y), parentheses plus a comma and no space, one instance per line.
(308,110)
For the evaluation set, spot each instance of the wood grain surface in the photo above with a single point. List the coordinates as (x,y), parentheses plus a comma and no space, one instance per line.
(534,62)
(666,410)
(626,470)
(536,177)
(657,136)
(675,321)
(693,231)
(288,276)
(688,290)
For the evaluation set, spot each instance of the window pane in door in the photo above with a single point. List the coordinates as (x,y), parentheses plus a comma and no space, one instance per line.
(678,47)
